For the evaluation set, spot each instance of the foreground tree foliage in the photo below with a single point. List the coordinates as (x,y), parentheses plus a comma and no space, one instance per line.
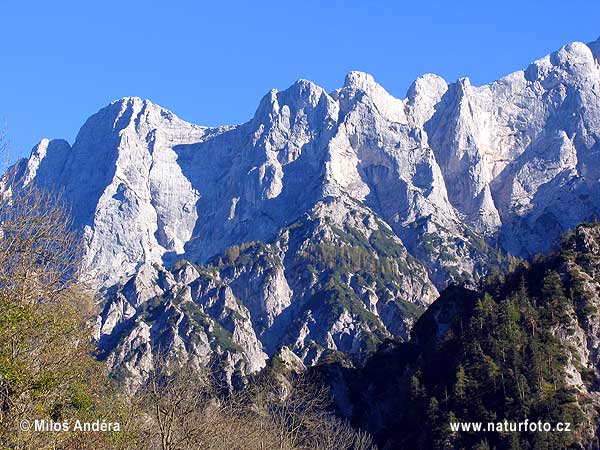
(186,408)
(46,368)
(48,371)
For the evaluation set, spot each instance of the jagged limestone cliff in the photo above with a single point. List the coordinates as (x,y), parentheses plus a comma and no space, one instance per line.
(445,180)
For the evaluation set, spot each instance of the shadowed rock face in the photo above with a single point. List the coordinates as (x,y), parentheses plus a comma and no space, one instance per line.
(446,170)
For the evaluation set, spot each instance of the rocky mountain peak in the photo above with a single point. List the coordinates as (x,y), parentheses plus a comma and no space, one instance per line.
(359,80)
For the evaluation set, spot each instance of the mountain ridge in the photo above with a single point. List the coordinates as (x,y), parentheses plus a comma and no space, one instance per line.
(446,182)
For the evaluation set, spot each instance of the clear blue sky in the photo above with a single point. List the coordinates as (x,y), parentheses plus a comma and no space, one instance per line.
(211,62)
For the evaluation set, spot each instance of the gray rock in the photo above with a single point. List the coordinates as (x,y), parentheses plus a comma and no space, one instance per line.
(443,176)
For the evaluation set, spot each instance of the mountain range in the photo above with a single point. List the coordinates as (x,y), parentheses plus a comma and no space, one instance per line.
(330,220)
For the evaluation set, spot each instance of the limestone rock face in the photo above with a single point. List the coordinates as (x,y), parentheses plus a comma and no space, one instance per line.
(440,178)
(336,280)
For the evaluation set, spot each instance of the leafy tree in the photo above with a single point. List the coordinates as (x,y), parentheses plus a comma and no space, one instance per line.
(47,370)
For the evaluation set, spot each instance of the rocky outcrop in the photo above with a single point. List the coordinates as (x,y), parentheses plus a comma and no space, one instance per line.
(338,280)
